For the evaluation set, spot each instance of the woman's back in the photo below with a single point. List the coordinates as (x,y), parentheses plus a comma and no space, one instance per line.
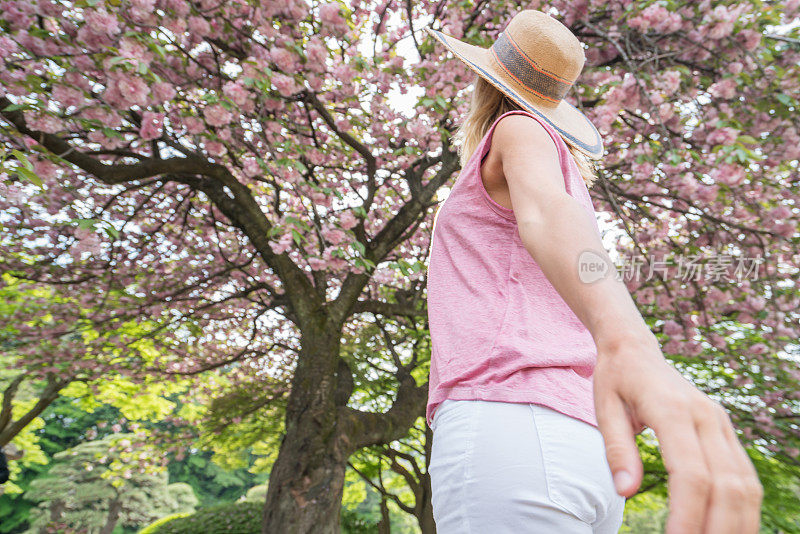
(499,329)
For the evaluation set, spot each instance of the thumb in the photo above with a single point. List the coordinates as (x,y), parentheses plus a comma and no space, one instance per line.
(622,453)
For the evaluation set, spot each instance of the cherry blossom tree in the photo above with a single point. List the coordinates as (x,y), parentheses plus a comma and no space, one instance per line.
(236,173)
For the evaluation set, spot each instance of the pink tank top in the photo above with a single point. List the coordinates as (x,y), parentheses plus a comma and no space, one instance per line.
(500,331)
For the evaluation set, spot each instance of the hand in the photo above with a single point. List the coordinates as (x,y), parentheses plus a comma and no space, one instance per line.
(713,487)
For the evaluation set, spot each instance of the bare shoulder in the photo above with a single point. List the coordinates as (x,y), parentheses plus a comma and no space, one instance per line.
(523,144)
(521,132)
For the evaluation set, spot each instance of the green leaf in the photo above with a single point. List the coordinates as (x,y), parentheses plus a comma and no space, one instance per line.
(404,267)
(298,239)
(85,223)
(111,232)
(297,222)
(114,60)
(786,100)
(30,176)
(23,159)
(359,246)
(15,107)
(299,164)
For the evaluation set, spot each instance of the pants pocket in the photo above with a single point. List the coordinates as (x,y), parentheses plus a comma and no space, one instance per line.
(577,474)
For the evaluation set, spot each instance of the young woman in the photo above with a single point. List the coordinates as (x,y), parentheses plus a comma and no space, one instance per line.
(542,369)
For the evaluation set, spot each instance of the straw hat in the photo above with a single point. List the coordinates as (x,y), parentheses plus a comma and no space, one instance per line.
(534,62)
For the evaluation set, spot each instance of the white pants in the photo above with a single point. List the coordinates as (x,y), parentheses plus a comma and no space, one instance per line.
(517,468)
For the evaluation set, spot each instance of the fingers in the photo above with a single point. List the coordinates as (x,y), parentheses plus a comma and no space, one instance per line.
(728,505)
(713,487)
(751,504)
(620,443)
(689,480)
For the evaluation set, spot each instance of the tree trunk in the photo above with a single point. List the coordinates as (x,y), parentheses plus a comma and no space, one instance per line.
(305,486)
(56,509)
(425,515)
(307,480)
(426,523)
(113,517)
(385,524)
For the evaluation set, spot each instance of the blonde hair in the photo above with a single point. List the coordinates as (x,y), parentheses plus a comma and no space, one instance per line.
(486,105)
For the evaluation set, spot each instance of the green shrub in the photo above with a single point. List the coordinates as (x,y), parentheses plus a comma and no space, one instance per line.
(152,528)
(229,518)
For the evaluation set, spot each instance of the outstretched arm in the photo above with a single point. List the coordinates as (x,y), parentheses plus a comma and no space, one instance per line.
(713,486)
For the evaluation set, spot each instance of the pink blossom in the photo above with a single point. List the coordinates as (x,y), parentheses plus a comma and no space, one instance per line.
(669,81)
(216,115)
(317,264)
(718,341)
(723,136)
(314,81)
(725,88)
(101,22)
(728,174)
(142,10)
(199,26)
(132,49)
(163,92)
(672,329)
(179,7)
(320,198)
(176,26)
(125,90)
(347,220)
(285,60)
(251,167)
(285,85)
(315,156)
(749,38)
(721,29)
(19,14)
(707,193)
(7,47)
(333,235)
(224,134)
(329,13)
(283,243)
(43,122)
(104,116)
(714,294)
(193,125)
(151,125)
(756,302)
(780,212)
(316,53)
(344,73)
(215,148)
(236,92)
(68,96)
(97,136)
(383,276)
(343,124)
(657,17)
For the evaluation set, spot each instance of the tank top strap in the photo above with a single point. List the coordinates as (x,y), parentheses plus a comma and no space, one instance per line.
(565,160)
